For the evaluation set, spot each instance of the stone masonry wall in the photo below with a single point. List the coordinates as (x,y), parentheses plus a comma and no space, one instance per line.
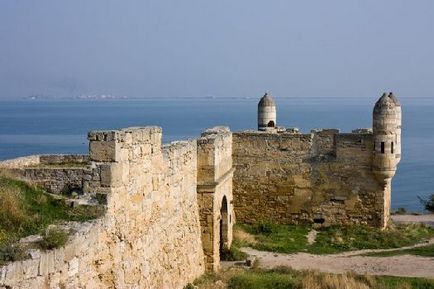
(150,236)
(323,177)
(58,174)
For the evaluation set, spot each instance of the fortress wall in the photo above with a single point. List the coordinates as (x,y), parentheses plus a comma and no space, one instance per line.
(56,180)
(272,176)
(323,142)
(214,192)
(153,230)
(347,188)
(20,162)
(64,160)
(58,174)
(355,148)
(43,160)
(324,177)
(150,236)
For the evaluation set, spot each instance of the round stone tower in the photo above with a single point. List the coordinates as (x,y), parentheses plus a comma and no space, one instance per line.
(387,137)
(266,113)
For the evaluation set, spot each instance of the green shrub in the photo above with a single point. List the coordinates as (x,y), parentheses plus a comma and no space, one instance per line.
(54,237)
(101,198)
(12,253)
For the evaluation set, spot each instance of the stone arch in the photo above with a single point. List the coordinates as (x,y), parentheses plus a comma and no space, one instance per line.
(271,124)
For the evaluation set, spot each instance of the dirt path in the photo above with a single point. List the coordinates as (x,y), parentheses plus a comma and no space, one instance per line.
(403,265)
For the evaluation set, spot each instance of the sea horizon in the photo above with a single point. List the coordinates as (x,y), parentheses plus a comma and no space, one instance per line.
(30,127)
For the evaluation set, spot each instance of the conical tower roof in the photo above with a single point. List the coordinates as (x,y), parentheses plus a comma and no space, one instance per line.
(267,100)
(386,102)
(393,97)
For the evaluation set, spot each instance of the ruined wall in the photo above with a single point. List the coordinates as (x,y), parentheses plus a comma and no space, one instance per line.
(150,236)
(214,189)
(322,177)
(58,174)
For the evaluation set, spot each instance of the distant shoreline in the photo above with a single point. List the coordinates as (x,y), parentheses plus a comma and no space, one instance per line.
(126,98)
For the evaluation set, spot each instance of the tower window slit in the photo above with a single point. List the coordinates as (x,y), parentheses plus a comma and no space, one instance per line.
(382,147)
(391,147)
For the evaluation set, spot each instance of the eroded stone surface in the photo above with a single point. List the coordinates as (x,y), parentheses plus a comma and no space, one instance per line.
(324,177)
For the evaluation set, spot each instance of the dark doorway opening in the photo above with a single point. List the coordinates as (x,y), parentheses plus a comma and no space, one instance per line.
(271,123)
(224,226)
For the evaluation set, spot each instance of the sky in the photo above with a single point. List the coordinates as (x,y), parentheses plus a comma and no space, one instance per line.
(161,48)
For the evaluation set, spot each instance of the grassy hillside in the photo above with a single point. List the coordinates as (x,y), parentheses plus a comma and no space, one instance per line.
(26,210)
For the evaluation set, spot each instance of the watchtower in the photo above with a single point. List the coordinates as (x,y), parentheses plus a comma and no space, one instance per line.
(387,137)
(267,113)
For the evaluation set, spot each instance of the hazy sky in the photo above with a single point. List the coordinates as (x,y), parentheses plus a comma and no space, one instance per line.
(174,48)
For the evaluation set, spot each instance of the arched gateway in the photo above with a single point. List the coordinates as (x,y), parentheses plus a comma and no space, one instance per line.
(214,193)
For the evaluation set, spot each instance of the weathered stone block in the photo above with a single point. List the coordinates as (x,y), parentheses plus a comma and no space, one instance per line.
(104,151)
(111,175)
(14,272)
(59,257)
(69,251)
(30,268)
(73,267)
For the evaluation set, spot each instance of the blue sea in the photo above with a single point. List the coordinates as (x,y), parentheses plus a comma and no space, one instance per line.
(38,127)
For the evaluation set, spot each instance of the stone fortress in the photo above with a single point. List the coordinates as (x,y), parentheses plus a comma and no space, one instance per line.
(170,208)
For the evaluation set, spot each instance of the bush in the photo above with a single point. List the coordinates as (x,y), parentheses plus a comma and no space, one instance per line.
(265,228)
(401,211)
(428,203)
(54,237)
(12,253)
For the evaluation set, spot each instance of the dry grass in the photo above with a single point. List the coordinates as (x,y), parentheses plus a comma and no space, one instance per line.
(316,280)
(243,237)
(27,210)
(286,278)
(12,212)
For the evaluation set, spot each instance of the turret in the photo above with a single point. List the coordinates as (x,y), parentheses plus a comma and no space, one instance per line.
(266,113)
(387,137)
